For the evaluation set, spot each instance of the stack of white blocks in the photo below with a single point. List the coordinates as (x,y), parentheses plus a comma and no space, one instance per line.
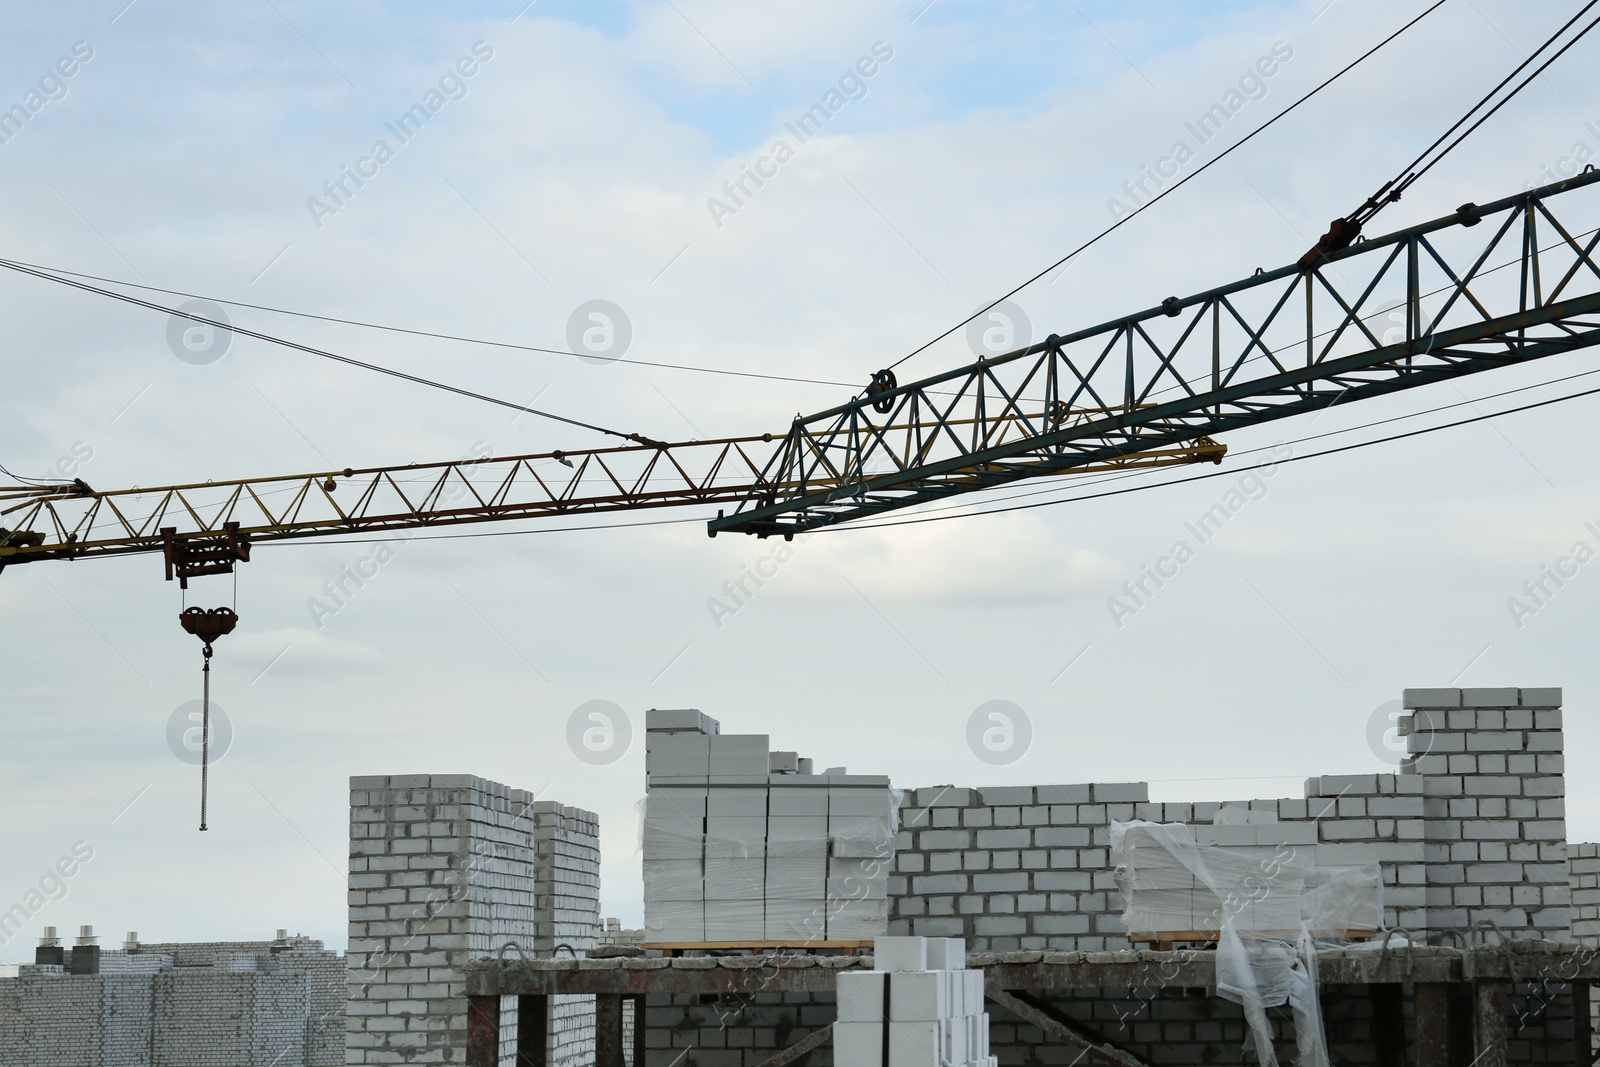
(743,844)
(1268,876)
(918,1007)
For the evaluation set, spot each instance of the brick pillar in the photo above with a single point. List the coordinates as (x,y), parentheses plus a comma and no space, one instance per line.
(441,871)
(567,887)
(1584,879)
(567,879)
(1494,807)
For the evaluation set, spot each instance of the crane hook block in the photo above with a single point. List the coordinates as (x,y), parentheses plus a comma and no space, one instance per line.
(882,384)
(208,625)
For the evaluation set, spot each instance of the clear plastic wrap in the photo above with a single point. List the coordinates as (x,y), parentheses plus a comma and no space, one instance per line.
(818,856)
(1268,907)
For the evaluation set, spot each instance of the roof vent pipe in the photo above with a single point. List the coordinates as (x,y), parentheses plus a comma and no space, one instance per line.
(85,954)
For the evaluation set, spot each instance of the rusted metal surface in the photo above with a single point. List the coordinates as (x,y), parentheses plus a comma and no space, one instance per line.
(194,557)
(208,625)
(1023,971)
(483,1032)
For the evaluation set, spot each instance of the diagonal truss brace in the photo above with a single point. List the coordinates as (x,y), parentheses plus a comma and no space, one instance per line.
(74,521)
(1417,306)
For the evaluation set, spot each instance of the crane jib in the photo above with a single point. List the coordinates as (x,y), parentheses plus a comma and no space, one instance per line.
(1485,287)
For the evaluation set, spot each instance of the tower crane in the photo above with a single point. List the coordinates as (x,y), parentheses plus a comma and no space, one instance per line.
(1483,287)
(1486,286)
(1148,389)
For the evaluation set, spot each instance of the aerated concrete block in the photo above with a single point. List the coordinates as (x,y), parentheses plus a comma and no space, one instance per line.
(1431,698)
(900,954)
(740,754)
(679,720)
(677,754)
(786,799)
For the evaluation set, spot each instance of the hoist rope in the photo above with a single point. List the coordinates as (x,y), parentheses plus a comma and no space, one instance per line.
(1173,187)
(1392,189)
(205,733)
(310,350)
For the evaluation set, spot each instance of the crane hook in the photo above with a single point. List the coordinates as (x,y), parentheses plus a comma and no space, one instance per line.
(207,626)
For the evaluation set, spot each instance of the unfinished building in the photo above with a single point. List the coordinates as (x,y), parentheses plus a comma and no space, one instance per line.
(447,868)
(1477,960)
(1464,928)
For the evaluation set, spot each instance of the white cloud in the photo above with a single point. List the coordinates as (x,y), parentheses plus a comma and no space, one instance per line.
(1021,561)
(986,148)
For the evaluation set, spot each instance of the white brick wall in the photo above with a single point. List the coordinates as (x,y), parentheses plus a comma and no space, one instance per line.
(1495,810)
(1014,867)
(448,868)
(1473,828)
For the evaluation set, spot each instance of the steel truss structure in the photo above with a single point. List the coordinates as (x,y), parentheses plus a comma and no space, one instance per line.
(1150,389)
(75,521)
(204,527)
(1277,344)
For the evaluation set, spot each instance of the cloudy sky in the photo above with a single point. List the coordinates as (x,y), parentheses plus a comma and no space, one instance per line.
(192,149)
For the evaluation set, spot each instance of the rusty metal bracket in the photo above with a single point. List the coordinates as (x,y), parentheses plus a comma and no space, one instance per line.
(191,557)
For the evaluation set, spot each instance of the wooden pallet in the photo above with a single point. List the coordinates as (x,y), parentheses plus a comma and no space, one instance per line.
(756,948)
(1166,940)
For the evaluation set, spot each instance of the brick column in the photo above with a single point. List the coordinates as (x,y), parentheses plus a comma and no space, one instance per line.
(1584,879)
(1494,807)
(567,888)
(567,878)
(441,871)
